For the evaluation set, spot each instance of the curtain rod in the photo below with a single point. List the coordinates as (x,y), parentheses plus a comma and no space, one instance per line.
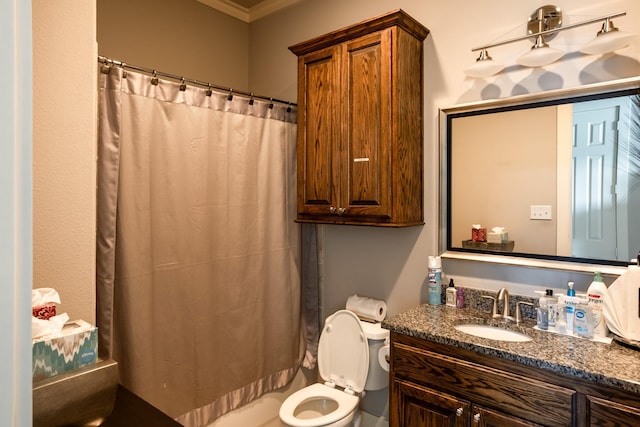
(112,62)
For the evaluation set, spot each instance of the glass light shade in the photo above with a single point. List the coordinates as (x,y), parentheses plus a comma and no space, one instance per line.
(608,42)
(540,55)
(484,66)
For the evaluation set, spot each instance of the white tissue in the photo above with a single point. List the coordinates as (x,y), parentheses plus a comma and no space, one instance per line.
(51,327)
(43,296)
(622,305)
(367,308)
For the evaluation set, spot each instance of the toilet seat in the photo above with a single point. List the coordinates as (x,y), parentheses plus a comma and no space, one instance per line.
(347,403)
(343,363)
(343,352)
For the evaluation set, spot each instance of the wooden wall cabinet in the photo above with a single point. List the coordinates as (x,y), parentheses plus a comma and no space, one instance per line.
(360,124)
(438,385)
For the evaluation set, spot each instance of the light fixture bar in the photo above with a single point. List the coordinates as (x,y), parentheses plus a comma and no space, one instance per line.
(551,31)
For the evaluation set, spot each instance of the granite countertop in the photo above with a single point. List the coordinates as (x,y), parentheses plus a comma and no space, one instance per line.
(607,364)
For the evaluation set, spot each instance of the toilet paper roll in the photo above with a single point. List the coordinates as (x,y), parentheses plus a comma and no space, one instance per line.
(367,308)
(383,357)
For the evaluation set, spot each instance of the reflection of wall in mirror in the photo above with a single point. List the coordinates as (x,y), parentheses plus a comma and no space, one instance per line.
(520,145)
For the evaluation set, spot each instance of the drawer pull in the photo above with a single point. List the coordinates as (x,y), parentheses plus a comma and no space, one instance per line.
(476,418)
(459,412)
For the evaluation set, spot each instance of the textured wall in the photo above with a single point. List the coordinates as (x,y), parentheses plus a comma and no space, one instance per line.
(64,152)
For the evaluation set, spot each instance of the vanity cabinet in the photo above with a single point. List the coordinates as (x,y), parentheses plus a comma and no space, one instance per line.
(435,384)
(604,412)
(360,124)
(485,396)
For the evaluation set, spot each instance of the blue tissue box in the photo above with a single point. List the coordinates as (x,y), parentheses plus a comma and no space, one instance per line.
(76,347)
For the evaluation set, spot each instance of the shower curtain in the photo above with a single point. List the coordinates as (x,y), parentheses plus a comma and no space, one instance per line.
(198,252)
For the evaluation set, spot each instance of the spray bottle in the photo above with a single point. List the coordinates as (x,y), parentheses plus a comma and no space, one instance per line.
(435,280)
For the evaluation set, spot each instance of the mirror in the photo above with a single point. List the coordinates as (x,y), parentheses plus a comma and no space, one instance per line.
(553,176)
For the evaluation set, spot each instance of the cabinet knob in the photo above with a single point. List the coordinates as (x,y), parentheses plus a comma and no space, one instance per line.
(476,418)
(341,211)
(332,209)
(459,412)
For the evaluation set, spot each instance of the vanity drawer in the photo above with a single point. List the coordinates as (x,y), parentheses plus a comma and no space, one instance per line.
(527,398)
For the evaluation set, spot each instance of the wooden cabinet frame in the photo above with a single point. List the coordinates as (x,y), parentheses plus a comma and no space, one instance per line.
(360,124)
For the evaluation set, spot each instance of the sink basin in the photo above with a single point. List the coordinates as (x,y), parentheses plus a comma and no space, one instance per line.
(493,333)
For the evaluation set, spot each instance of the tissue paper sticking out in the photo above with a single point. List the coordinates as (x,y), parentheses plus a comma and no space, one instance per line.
(51,327)
(622,305)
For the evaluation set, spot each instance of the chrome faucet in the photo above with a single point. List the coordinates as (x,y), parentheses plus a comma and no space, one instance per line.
(503,295)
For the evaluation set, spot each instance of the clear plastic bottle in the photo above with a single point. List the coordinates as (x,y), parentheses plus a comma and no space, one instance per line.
(552,302)
(543,311)
(570,308)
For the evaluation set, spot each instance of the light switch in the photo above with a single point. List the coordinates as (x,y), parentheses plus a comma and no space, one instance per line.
(540,212)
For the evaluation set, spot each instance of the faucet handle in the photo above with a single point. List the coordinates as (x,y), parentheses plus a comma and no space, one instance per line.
(494,310)
(519,310)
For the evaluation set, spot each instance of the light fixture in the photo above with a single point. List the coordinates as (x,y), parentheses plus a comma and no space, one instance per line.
(540,54)
(543,19)
(608,39)
(544,24)
(484,66)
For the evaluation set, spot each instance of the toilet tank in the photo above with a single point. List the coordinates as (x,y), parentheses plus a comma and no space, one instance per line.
(377,378)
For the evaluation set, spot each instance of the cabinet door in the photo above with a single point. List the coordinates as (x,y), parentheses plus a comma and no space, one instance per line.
(483,417)
(318,131)
(607,413)
(416,406)
(366,141)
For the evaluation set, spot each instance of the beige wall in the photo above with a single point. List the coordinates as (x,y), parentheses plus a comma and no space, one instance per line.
(519,144)
(181,37)
(64,152)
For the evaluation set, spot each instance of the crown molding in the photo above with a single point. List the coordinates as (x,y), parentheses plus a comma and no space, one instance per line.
(245,14)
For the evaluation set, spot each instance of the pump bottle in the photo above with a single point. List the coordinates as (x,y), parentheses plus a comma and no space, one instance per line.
(596,293)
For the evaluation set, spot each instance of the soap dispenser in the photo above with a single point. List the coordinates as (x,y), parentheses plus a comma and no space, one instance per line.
(451,294)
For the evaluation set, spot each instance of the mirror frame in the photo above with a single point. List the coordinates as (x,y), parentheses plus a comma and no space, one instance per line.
(520,101)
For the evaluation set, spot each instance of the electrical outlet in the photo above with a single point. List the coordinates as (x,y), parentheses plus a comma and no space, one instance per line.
(540,212)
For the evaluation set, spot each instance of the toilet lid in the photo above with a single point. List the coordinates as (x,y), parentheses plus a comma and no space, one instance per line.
(343,351)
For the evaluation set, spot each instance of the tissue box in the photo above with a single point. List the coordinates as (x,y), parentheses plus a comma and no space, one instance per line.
(44,311)
(479,234)
(497,237)
(74,347)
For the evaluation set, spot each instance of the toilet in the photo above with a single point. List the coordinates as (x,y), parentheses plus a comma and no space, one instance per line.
(348,363)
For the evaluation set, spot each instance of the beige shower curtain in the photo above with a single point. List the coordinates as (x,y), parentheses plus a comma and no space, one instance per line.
(198,251)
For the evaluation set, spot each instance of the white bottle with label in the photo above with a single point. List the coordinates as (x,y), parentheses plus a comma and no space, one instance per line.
(596,293)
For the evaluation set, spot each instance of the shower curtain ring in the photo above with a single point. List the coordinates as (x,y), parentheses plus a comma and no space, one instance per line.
(183,86)
(124,72)
(209,91)
(105,68)
(230,96)
(251,98)
(271,103)
(154,79)
(289,108)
